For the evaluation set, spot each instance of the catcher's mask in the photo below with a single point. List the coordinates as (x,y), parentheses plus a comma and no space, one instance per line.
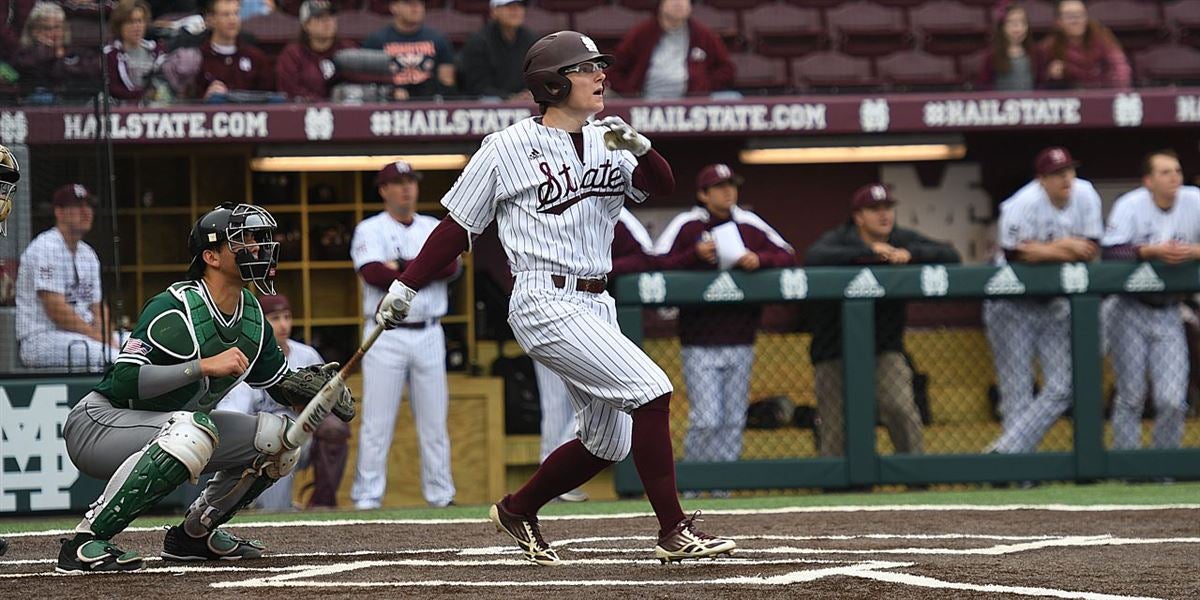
(250,232)
(10,174)
(550,56)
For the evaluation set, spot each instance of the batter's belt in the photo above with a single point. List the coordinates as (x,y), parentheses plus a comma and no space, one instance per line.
(591,286)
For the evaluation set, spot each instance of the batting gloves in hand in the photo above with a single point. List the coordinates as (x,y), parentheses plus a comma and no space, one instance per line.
(344,409)
(621,136)
(395,305)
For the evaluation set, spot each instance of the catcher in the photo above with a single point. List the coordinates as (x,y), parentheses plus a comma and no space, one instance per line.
(149,425)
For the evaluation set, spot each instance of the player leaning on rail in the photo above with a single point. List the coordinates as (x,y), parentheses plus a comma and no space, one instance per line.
(149,425)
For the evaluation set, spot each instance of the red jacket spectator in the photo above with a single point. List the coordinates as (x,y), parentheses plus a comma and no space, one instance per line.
(304,73)
(241,67)
(1081,52)
(126,83)
(708,65)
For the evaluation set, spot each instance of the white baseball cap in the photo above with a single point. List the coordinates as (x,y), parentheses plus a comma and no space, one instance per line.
(495,3)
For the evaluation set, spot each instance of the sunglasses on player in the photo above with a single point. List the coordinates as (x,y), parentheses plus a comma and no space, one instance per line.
(587,67)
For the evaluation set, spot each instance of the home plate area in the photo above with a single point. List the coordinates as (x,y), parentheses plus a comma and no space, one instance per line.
(843,553)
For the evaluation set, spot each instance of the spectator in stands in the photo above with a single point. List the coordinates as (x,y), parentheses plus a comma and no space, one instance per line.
(670,56)
(45,59)
(1011,62)
(227,62)
(870,237)
(15,12)
(305,69)
(60,315)
(1081,52)
(292,7)
(132,58)
(718,341)
(424,55)
(328,450)
(492,61)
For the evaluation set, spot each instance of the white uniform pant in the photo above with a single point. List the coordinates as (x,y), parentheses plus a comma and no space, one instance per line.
(718,383)
(416,358)
(558,416)
(1018,330)
(66,350)
(575,335)
(1146,340)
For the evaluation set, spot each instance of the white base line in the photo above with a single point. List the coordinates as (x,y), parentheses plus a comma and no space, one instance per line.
(930,582)
(730,512)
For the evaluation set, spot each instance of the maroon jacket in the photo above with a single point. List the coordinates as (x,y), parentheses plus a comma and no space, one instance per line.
(728,324)
(1098,64)
(13,14)
(306,74)
(248,68)
(121,83)
(38,65)
(708,64)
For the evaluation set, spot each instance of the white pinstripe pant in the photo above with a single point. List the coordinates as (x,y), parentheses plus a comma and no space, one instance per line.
(558,416)
(718,382)
(575,335)
(1147,340)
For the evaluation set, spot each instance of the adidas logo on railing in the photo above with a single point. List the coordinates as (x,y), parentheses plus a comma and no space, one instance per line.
(864,285)
(723,289)
(1144,279)
(1004,282)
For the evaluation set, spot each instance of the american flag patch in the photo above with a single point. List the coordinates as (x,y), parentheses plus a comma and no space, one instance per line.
(136,346)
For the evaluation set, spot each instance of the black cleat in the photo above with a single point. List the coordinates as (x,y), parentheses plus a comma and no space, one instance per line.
(218,545)
(86,554)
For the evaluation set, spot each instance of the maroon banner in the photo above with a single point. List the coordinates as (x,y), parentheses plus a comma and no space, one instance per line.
(456,121)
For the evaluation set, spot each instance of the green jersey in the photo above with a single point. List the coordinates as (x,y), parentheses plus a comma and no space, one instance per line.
(183,324)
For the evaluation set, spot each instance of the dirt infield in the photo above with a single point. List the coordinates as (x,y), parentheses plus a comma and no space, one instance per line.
(811,554)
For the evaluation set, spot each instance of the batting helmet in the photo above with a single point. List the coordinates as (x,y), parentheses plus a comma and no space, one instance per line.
(10,174)
(242,226)
(549,56)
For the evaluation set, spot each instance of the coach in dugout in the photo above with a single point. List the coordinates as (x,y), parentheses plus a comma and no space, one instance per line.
(870,237)
(59,309)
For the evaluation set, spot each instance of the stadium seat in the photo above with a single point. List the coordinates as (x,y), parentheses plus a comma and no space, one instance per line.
(272,31)
(833,71)
(1136,24)
(1184,15)
(736,4)
(569,6)
(817,3)
(949,28)
(642,5)
(85,32)
(359,24)
(1169,64)
(474,7)
(915,70)
(868,29)
(456,26)
(785,30)
(607,24)
(723,22)
(756,73)
(1041,17)
(543,22)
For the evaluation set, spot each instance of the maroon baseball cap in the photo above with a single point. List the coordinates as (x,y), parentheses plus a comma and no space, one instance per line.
(714,174)
(870,195)
(72,194)
(396,171)
(274,303)
(1053,160)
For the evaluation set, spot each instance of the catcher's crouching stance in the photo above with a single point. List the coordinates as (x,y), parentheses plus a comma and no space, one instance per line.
(149,425)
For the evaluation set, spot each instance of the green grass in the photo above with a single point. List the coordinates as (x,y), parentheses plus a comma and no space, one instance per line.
(1104,493)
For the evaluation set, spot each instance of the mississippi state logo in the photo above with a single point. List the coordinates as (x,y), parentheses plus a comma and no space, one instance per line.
(563,189)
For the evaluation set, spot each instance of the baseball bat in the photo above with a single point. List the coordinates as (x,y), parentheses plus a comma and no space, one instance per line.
(318,408)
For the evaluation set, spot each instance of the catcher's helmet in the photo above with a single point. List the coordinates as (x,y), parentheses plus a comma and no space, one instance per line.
(549,56)
(244,227)
(10,174)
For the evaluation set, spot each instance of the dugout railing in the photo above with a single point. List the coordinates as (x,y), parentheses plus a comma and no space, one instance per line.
(858,288)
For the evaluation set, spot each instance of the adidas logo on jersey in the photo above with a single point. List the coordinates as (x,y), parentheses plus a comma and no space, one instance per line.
(535,154)
(723,289)
(1004,282)
(864,285)
(1144,279)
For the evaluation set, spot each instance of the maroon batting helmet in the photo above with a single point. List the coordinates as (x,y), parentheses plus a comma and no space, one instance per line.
(549,56)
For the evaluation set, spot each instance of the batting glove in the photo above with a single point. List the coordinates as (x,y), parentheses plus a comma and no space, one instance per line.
(621,136)
(395,305)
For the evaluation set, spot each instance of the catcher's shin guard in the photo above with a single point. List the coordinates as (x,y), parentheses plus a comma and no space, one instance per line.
(178,453)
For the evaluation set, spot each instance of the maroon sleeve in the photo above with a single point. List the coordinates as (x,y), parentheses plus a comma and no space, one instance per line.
(378,274)
(721,69)
(769,255)
(287,73)
(653,174)
(624,75)
(118,84)
(443,246)
(683,251)
(264,70)
(1119,73)
(986,77)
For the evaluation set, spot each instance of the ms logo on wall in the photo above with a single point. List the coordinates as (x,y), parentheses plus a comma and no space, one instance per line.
(35,471)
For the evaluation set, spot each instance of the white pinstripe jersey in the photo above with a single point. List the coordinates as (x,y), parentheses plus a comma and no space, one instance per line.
(381,238)
(1135,219)
(48,265)
(1029,216)
(554,212)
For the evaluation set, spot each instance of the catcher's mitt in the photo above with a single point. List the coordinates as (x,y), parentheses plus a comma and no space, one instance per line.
(297,389)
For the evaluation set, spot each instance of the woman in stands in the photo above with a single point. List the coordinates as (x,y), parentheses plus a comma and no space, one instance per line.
(305,69)
(1081,52)
(132,58)
(45,62)
(1011,62)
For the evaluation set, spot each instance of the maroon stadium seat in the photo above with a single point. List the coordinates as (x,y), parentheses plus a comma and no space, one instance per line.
(723,22)
(919,70)
(785,30)
(1136,24)
(1041,16)
(474,7)
(833,71)
(272,31)
(867,29)
(1184,15)
(1174,63)
(736,4)
(543,22)
(758,73)
(569,6)
(358,25)
(607,24)
(642,5)
(456,26)
(949,28)
(85,32)
(817,3)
